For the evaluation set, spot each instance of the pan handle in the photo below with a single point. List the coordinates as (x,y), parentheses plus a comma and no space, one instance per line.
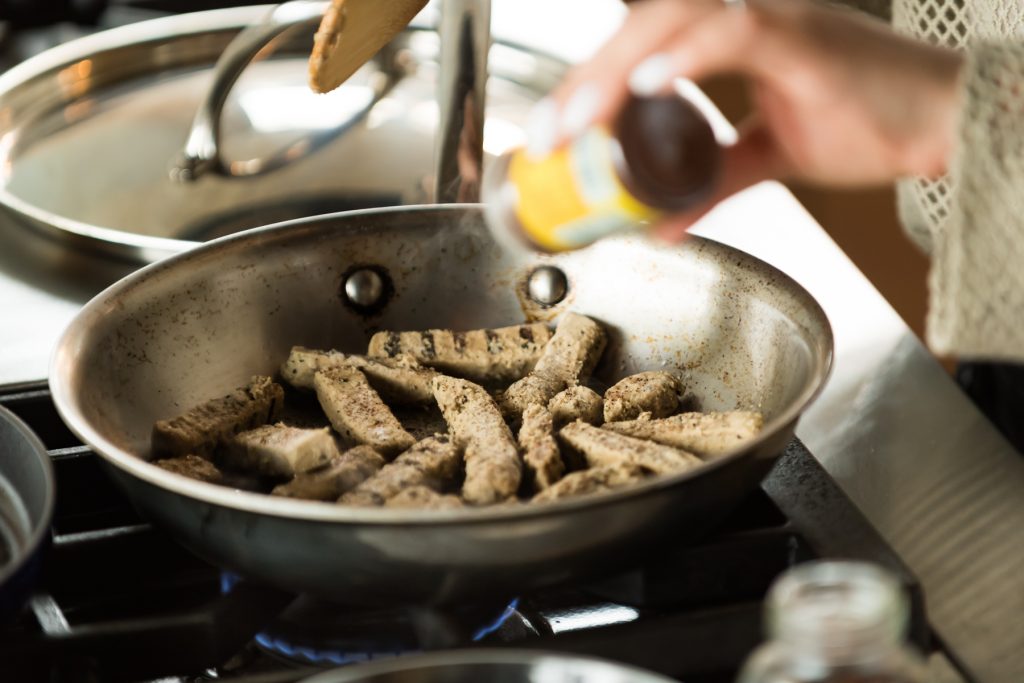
(202,153)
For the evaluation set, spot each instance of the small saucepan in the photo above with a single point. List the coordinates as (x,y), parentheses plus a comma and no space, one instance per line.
(27,494)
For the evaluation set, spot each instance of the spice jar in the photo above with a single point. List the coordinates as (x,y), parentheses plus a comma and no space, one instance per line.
(659,156)
(835,622)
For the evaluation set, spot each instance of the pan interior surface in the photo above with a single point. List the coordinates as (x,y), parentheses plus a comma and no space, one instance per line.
(493,666)
(183,331)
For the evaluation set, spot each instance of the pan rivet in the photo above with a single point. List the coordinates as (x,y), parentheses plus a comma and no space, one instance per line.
(364,287)
(547,285)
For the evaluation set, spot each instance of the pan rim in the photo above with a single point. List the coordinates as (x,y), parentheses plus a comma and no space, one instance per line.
(63,366)
(481,656)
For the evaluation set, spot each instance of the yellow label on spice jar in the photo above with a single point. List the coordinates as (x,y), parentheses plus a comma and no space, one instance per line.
(573,196)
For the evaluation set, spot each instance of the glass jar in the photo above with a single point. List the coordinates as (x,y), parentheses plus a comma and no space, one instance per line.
(835,622)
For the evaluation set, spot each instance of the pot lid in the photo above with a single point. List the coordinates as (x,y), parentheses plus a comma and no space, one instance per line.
(90,131)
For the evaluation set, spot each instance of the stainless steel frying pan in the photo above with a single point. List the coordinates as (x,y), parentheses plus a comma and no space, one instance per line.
(191,327)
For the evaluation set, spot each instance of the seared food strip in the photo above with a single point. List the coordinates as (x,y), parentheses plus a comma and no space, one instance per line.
(200,430)
(357,412)
(569,357)
(400,379)
(576,403)
(360,499)
(279,450)
(594,480)
(544,464)
(601,448)
(493,467)
(501,354)
(706,434)
(193,467)
(302,364)
(431,463)
(343,474)
(646,392)
(423,498)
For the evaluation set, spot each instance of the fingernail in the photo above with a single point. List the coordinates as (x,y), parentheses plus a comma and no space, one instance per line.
(542,128)
(580,111)
(667,234)
(651,76)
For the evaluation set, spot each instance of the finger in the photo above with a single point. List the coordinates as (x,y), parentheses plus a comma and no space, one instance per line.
(728,41)
(647,26)
(752,159)
(593,92)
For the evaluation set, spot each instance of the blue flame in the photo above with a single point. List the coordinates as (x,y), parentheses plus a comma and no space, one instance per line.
(229,580)
(488,630)
(314,656)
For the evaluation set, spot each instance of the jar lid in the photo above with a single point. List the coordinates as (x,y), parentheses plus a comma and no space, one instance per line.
(837,607)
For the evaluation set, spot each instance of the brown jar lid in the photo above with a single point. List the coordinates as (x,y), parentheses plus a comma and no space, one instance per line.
(670,156)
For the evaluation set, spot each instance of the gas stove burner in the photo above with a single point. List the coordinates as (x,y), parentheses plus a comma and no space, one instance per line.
(121,601)
(311,631)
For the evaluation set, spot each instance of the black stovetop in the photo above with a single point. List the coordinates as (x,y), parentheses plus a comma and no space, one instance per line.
(121,601)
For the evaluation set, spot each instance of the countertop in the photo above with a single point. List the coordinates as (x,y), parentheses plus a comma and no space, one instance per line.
(937,481)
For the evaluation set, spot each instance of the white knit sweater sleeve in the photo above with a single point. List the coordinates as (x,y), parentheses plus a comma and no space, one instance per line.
(972,221)
(977,277)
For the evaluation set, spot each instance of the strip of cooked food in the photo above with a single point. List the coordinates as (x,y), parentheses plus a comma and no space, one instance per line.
(593,480)
(543,462)
(423,498)
(601,448)
(568,358)
(193,467)
(576,403)
(399,380)
(361,499)
(707,435)
(501,354)
(493,467)
(201,429)
(302,364)
(279,450)
(344,473)
(357,412)
(656,393)
(431,463)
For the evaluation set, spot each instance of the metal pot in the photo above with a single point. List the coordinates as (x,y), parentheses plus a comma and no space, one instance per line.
(492,666)
(179,332)
(27,494)
(92,132)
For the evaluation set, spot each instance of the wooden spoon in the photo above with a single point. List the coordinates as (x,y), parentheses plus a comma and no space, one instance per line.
(351,32)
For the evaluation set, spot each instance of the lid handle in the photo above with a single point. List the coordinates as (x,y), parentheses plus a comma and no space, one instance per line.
(202,153)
